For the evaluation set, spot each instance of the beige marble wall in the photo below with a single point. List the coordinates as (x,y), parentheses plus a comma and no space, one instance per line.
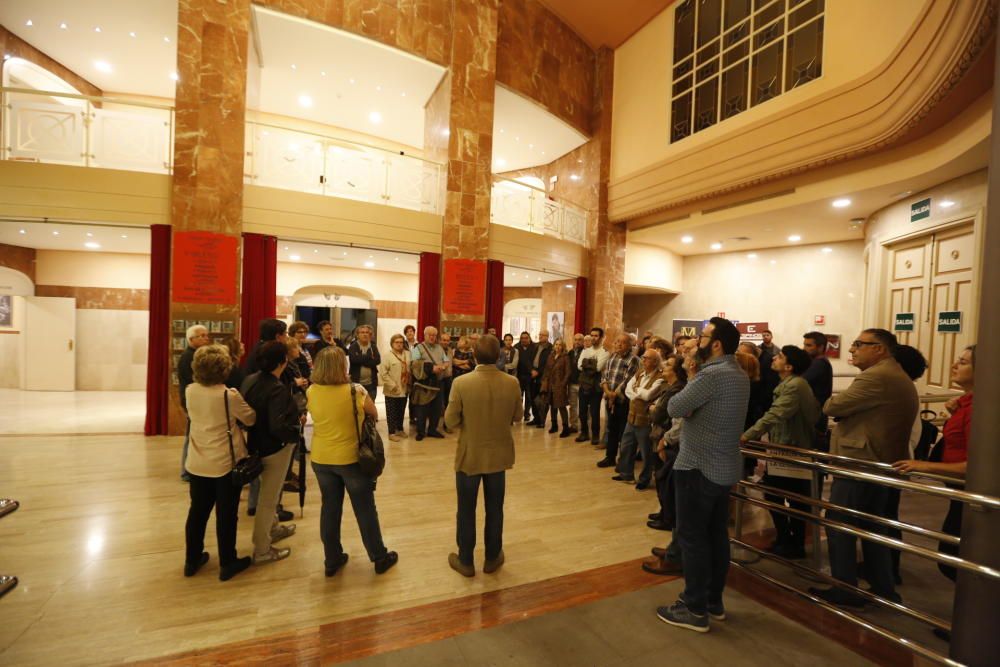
(111,347)
(557,298)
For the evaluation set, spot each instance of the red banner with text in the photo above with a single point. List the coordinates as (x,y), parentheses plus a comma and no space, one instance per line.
(464,287)
(204,268)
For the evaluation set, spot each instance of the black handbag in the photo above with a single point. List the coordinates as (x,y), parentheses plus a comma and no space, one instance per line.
(371,451)
(246,469)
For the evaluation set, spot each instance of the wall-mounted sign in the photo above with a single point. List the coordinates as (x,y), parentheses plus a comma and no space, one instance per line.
(689,328)
(949,321)
(751,332)
(722,314)
(819,319)
(833,346)
(464,287)
(920,210)
(903,322)
(204,268)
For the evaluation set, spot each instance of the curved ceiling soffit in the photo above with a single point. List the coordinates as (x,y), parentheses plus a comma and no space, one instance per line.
(980,16)
(338,290)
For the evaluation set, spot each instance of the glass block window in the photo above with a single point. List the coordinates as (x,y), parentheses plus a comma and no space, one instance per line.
(730,55)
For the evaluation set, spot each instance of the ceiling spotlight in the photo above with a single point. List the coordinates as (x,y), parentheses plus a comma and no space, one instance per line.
(89,234)
(351,81)
(28,23)
(375,117)
(501,130)
(293,66)
(173,76)
(773,262)
(132,34)
(124,236)
(371,256)
(63,26)
(294,258)
(752,255)
(947,203)
(501,162)
(166,39)
(396,259)
(55,233)
(843,202)
(97,28)
(794,238)
(826,250)
(378,89)
(369,265)
(446,132)
(102,66)
(92,245)
(403,94)
(687,239)
(574,177)
(305,101)
(903,193)
(716,246)
(322,73)
(285,248)
(316,250)
(21,231)
(345,253)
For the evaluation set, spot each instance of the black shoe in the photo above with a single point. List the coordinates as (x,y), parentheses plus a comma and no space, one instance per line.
(251,511)
(596,443)
(574,429)
(583,437)
(435,434)
(385,563)
(655,516)
(285,515)
(190,569)
(642,486)
(538,424)
(554,429)
(605,463)
(237,566)
(420,436)
(838,597)
(622,478)
(565,434)
(330,571)
(659,524)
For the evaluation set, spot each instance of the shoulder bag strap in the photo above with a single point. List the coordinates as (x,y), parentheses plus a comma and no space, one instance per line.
(229,427)
(354,405)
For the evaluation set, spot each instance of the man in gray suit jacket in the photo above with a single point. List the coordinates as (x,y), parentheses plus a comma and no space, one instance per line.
(484,403)
(874,418)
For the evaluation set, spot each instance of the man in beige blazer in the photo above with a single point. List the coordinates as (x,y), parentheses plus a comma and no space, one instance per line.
(484,403)
(874,418)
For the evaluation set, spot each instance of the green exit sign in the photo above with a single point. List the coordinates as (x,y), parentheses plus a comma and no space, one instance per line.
(903,322)
(949,321)
(920,210)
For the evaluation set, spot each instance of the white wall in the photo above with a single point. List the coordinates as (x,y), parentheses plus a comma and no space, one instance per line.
(15,282)
(382,285)
(92,269)
(12,349)
(800,283)
(650,266)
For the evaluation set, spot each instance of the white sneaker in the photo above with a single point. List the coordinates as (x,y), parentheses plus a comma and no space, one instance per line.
(271,555)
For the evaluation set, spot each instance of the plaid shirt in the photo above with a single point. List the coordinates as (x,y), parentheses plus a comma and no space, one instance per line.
(619,371)
(714,408)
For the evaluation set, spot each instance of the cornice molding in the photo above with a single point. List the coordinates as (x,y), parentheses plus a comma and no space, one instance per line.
(870,114)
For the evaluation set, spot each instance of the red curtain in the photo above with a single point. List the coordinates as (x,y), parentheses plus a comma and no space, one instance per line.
(494,295)
(580,321)
(158,355)
(260,271)
(429,297)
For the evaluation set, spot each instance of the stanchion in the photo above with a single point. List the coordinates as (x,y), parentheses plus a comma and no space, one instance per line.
(736,552)
(7,582)
(7,506)
(816,559)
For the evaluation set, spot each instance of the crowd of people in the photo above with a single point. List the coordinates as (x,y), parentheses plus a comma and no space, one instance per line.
(677,410)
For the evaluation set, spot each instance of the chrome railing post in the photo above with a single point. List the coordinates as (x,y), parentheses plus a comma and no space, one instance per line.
(816,491)
(7,582)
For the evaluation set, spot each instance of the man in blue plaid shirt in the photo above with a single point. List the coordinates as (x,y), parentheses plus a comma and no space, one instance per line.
(617,374)
(714,407)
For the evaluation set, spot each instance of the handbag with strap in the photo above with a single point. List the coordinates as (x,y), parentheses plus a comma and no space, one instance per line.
(246,469)
(371,451)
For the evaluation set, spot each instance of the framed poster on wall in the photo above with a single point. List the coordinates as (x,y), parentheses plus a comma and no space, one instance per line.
(6,311)
(555,325)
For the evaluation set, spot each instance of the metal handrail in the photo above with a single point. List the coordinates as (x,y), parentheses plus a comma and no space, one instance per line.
(978,499)
(819,502)
(88,98)
(547,195)
(811,453)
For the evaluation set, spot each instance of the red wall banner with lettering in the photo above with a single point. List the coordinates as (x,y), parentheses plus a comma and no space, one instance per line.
(204,268)
(464,287)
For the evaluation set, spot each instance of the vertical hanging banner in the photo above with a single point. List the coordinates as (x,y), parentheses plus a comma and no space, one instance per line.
(204,268)
(464,287)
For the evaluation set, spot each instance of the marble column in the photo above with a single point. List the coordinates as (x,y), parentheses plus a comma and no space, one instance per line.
(207,196)
(466,99)
(606,277)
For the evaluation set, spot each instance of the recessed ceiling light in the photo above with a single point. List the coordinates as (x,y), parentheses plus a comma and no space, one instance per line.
(293,66)
(843,202)
(93,245)
(89,234)
(21,231)
(501,162)
(378,89)
(294,258)
(531,146)
(322,73)
(574,177)
(371,256)
(102,66)
(305,101)
(132,34)
(173,75)
(397,259)
(501,130)
(55,233)
(794,238)
(369,265)
(773,262)
(403,94)
(716,246)
(543,152)
(752,255)
(28,23)
(351,81)
(124,236)
(6,56)
(97,28)
(687,239)
(903,193)
(345,253)
(947,203)
(446,132)
(286,248)
(63,26)
(517,138)
(375,117)
(826,250)
(316,250)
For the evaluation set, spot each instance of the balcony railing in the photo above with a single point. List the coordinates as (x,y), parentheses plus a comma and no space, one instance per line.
(62,128)
(519,205)
(279,157)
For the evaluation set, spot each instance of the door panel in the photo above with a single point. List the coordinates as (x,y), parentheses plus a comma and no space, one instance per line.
(50,344)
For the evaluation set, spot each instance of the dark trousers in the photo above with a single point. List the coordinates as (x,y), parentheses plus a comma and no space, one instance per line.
(703,534)
(428,416)
(224,496)
(590,407)
(536,390)
(333,480)
(372,389)
(556,413)
(952,526)
(617,420)
(525,382)
(445,393)
(788,530)
(467,486)
(892,512)
(394,408)
(865,497)
(666,489)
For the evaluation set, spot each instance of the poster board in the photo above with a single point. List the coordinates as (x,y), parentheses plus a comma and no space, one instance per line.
(204,268)
(464,287)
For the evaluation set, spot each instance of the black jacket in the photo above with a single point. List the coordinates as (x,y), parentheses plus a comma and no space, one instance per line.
(543,359)
(525,356)
(574,365)
(360,359)
(185,375)
(277,417)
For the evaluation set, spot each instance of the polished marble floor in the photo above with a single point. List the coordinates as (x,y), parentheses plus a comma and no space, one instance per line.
(71,412)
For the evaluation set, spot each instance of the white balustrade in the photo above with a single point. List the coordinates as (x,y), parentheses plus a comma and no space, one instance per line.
(522,206)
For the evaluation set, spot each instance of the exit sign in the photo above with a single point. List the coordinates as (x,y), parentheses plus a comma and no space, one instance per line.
(920,210)
(903,322)
(949,321)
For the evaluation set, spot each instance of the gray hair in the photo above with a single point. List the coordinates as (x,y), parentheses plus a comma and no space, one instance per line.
(193,330)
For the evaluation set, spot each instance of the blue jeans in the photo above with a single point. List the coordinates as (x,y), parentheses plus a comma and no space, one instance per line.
(703,534)
(636,436)
(494,487)
(333,480)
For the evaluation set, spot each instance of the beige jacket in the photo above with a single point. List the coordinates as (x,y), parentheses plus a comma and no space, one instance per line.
(208,449)
(875,414)
(390,372)
(484,403)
